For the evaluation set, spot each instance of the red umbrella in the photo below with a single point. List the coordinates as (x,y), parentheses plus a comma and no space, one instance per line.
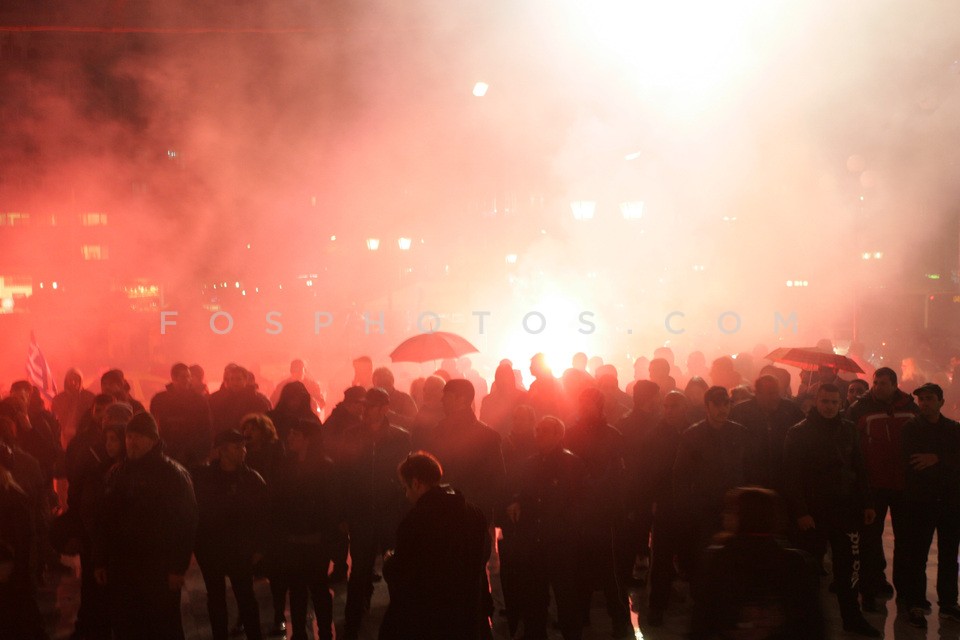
(431,346)
(812,359)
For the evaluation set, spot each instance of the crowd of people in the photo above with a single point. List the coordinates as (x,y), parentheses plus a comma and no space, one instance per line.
(570,486)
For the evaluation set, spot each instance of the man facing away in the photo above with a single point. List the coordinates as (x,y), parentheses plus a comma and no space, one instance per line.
(436,573)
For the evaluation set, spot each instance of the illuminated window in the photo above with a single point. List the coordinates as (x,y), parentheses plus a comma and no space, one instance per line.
(94,252)
(93,219)
(14,219)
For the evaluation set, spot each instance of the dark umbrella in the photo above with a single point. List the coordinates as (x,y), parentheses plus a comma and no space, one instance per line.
(812,359)
(431,346)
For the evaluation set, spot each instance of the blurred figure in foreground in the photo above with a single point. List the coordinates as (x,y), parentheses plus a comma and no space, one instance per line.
(752,585)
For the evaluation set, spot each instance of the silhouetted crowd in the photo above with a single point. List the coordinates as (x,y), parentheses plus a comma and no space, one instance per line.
(567,487)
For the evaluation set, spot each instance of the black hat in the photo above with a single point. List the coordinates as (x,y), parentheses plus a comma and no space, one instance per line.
(929,388)
(230,436)
(376,397)
(144,424)
(118,413)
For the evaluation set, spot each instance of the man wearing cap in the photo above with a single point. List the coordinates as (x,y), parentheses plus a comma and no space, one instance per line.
(371,453)
(931,502)
(232,499)
(145,537)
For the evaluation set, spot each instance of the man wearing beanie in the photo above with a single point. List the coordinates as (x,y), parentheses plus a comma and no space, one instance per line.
(145,537)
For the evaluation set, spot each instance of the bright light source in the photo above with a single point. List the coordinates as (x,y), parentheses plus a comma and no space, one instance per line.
(632,210)
(309,284)
(699,267)
(404,243)
(7,304)
(789,283)
(582,210)
(865,256)
(333,238)
(480,89)
(877,255)
(236,285)
(511,258)
(243,292)
(41,285)
(248,246)
(933,276)
(373,244)
(632,156)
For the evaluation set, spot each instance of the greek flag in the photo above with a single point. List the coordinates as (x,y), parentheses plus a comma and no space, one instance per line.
(38,371)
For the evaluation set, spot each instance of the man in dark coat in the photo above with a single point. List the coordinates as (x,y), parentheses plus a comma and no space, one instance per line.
(184,419)
(931,502)
(468,449)
(714,456)
(231,535)
(436,573)
(660,449)
(235,399)
(145,537)
(880,416)
(546,515)
(768,417)
(114,383)
(371,454)
(305,509)
(825,483)
(607,551)
(346,415)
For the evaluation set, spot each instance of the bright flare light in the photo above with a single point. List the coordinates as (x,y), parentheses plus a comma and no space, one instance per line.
(631,210)
(480,89)
(404,243)
(685,49)
(373,244)
(583,209)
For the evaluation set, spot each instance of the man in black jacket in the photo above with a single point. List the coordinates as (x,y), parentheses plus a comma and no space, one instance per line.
(825,483)
(436,573)
(371,453)
(607,550)
(232,499)
(306,513)
(931,457)
(145,537)
(713,456)
(546,515)
(768,417)
(183,416)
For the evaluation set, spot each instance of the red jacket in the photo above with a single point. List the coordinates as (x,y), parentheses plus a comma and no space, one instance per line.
(881,427)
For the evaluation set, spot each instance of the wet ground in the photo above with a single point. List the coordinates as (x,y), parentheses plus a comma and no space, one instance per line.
(61,598)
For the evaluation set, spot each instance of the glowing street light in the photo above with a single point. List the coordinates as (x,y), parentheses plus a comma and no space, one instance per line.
(583,209)
(632,210)
(373,244)
(403,243)
(480,89)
